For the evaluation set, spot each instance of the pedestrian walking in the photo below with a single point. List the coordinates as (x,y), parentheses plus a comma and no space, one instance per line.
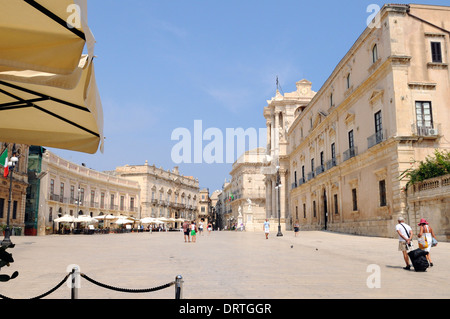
(193,232)
(425,238)
(267,228)
(200,227)
(296,228)
(209,228)
(186,231)
(405,234)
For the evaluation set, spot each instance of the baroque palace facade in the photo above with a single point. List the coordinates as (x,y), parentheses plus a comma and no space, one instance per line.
(46,186)
(385,106)
(164,193)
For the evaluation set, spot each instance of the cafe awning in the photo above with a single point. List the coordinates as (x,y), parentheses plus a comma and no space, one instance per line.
(52,116)
(43,35)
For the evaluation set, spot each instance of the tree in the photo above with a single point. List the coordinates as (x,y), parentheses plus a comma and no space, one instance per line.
(432,167)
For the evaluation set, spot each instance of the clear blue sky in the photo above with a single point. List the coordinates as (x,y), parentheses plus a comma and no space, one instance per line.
(163,64)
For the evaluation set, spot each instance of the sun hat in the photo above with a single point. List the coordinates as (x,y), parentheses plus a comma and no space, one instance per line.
(422,221)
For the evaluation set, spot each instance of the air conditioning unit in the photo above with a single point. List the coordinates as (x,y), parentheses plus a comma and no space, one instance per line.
(433,131)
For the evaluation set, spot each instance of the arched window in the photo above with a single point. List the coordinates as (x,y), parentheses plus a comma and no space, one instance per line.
(374,53)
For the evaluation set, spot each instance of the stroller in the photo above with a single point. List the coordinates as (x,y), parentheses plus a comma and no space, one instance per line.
(419,259)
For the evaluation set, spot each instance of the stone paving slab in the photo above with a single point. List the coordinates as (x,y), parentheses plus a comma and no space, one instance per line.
(225,265)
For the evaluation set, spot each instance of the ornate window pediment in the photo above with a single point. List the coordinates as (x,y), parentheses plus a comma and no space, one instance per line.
(349,118)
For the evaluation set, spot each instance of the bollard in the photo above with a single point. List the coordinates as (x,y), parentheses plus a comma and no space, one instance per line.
(74,291)
(179,287)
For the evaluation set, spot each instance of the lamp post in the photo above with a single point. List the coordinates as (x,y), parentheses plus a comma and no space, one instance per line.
(11,164)
(278,186)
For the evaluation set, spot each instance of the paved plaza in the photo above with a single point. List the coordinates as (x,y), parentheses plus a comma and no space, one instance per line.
(225,265)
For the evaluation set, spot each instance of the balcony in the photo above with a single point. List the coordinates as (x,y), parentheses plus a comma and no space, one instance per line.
(331,163)
(431,131)
(351,152)
(320,169)
(310,176)
(376,138)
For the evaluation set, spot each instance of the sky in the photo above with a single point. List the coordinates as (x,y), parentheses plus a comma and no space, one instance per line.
(161,65)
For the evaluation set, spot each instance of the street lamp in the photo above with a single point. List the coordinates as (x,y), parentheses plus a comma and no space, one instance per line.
(277,187)
(11,164)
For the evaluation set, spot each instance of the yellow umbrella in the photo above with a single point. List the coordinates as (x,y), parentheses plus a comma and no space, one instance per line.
(51,116)
(43,35)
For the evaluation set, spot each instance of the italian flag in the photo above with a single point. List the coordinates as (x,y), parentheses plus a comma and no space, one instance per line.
(4,162)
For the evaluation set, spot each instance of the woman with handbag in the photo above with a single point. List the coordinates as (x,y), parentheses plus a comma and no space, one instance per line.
(426,238)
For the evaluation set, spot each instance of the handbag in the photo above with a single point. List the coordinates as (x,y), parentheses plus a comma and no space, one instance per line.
(423,242)
(434,242)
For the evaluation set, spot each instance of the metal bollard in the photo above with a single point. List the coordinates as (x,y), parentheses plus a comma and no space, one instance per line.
(75,283)
(179,287)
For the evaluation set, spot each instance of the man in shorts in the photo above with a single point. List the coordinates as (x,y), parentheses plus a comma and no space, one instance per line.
(404,240)
(186,231)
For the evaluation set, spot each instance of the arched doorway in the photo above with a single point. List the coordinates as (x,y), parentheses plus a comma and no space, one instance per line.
(325,209)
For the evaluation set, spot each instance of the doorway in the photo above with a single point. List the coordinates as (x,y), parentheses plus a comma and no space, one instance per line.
(325,209)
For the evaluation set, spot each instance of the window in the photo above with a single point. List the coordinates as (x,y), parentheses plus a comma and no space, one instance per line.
(304,210)
(14,212)
(423,115)
(132,203)
(333,151)
(92,198)
(314,208)
(336,210)
(2,207)
(61,192)
(436,52)
(295,178)
(382,188)
(72,193)
(122,202)
(374,54)
(111,202)
(348,81)
(52,186)
(378,128)
(351,141)
(331,99)
(354,199)
(296,212)
(102,200)
(321,159)
(378,122)
(303,173)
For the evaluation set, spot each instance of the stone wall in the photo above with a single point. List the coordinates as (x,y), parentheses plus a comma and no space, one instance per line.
(430,199)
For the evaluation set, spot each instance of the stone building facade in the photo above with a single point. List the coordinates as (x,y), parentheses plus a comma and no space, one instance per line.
(164,193)
(18,189)
(65,188)
(249,192)
(280,113)
(383,107)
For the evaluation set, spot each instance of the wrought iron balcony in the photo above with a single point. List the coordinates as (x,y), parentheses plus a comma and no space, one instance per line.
(331,163)
(431,131)
(351,152)
(376,138)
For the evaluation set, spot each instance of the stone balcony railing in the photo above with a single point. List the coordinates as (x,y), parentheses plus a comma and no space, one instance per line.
(432,186)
